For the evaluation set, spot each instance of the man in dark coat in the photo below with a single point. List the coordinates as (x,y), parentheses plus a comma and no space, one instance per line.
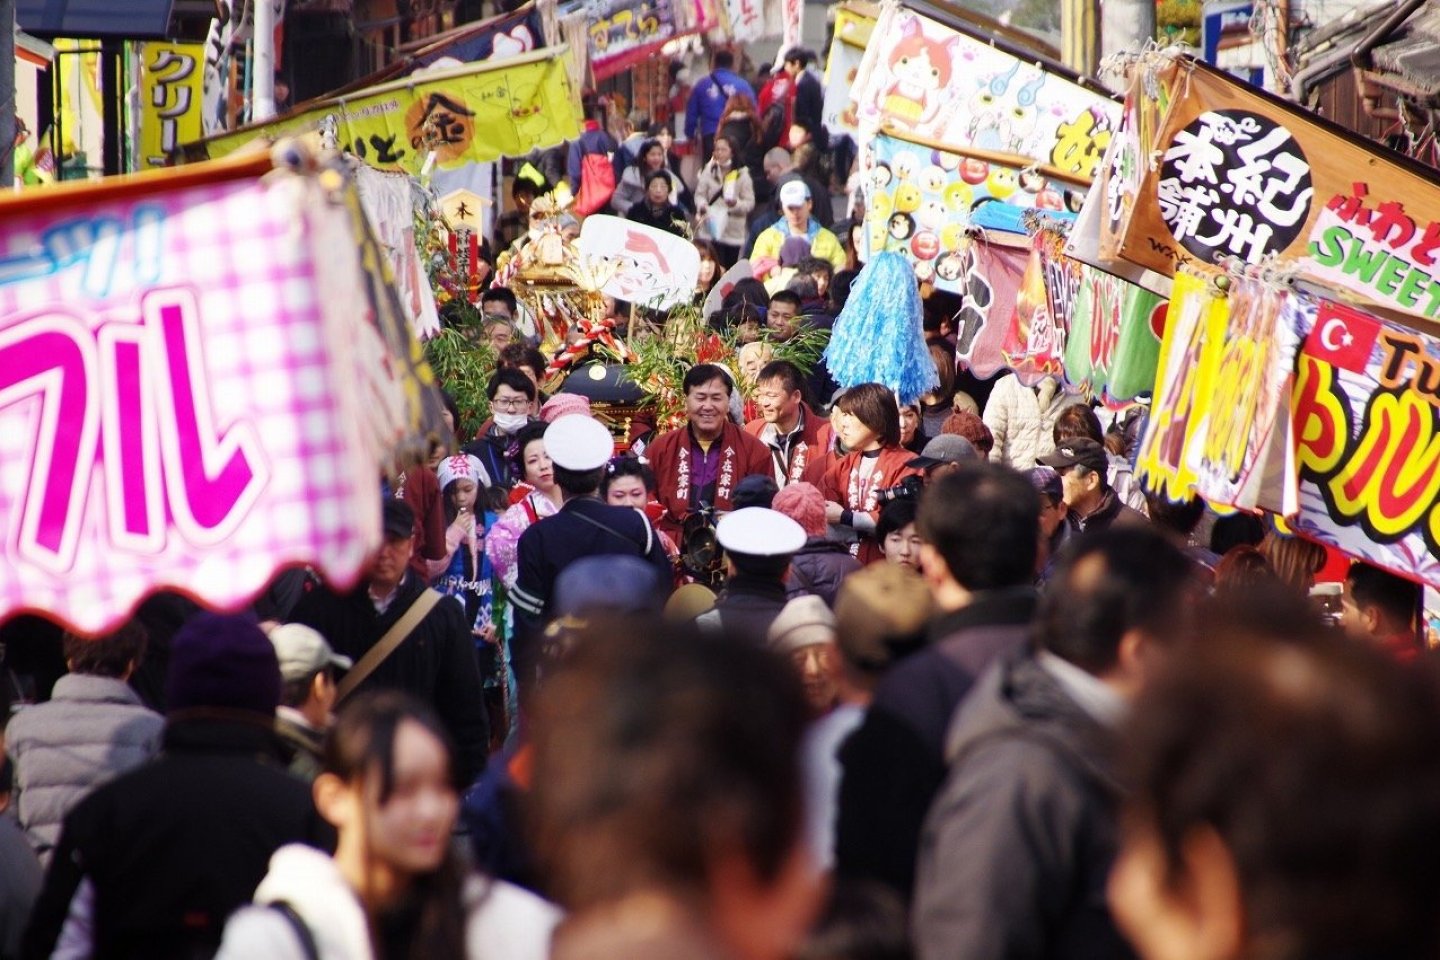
(980,526)
(1017,848)
(758,544)
(579,446)
(435,663)
(157,859)
(809,107)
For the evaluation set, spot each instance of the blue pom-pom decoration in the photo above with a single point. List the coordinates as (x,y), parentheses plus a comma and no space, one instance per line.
(879,337)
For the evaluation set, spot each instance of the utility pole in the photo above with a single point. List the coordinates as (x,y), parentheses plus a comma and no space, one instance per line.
(262,77)
(8,110)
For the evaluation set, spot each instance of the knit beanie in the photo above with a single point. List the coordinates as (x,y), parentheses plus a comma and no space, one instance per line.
(803,503)
(223,662)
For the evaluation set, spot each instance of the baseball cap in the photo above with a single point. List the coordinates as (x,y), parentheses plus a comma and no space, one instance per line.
(794,194)
(398,519)
(579,442)
(1082,452)
(945,448)
(303,652)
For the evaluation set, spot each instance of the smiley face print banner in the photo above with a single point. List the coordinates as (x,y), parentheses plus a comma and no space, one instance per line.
(921,200)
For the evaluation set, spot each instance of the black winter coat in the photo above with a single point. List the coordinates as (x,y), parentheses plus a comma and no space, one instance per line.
(436,663)
(173,847)
(1019,843)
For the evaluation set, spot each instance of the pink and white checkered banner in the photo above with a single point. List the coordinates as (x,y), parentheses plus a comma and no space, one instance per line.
(194,391)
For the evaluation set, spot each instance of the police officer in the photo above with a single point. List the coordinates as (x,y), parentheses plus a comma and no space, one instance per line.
(579,447)
(758,544)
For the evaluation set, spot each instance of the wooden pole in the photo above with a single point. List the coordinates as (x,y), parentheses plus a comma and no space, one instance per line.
(1015,160)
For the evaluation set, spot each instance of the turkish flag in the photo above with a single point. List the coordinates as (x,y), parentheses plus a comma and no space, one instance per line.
(1342,337)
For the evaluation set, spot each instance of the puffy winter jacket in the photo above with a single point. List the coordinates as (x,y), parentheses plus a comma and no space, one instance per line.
(92,729)
(1023,419)
(819,568)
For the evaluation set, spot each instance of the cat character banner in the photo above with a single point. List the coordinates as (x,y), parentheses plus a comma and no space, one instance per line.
(928,81)
(203,374)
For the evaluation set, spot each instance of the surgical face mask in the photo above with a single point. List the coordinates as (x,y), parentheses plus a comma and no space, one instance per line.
(510,422)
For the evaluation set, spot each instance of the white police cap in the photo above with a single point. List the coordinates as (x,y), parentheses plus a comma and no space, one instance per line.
(759,532)
(579,442)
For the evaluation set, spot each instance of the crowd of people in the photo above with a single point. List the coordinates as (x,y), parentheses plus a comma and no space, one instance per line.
(814,674)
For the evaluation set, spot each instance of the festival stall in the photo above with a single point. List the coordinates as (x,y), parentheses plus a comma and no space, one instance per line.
(203,374)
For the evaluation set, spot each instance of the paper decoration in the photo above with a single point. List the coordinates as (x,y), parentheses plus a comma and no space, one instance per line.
(201,376)
(478,112)
(654,269)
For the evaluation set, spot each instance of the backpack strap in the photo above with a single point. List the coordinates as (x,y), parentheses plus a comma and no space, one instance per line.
(308,947)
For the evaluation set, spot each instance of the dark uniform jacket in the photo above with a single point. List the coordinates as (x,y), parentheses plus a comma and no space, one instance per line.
(584,527)
(436,663)
(173,847)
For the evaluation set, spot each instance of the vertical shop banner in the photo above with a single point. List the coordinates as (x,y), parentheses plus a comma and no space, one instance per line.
(1195,324)
(170,94)
(936,83)
(991,275)
(747,20)
(471,114)
(921,200)
(201,377)
(1365,436)
(852,34)
(1242,174)
(1113,345)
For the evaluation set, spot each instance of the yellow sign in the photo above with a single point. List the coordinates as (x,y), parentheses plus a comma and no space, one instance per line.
(472,114)
(169,100)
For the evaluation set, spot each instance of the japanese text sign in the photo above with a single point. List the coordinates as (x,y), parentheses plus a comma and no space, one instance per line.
(474,113)
(194,390)
(1244,175)
(169,100)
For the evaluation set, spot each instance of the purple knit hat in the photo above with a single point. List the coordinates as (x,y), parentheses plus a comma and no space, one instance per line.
(222,662)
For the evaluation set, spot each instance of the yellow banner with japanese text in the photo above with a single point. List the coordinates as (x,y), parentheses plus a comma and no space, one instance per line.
(472,114)
(170,80)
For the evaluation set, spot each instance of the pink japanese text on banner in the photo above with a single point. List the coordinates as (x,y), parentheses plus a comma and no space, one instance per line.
(194,391)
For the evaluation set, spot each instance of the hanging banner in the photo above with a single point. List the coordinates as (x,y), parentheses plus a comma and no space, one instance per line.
(653,268)
(170,107)
(930,81)
(746,19)
(1365,435)
(847,50)
(202,375)
(1242,174)
(991,275)
(622,33)
(1113,344)
(1194,325)
(921,200)
(476,113)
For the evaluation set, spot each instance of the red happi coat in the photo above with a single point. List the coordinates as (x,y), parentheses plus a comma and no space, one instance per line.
(842,485)
(741,455)
(812,456)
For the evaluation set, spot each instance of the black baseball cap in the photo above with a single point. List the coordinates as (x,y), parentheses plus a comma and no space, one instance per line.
(399,519)
(1082,452)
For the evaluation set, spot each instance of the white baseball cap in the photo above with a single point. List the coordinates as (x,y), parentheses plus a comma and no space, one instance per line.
(303,652)
(794,194)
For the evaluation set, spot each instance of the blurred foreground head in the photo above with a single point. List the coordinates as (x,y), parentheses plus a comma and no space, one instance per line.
(1286,799)
(667,791)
